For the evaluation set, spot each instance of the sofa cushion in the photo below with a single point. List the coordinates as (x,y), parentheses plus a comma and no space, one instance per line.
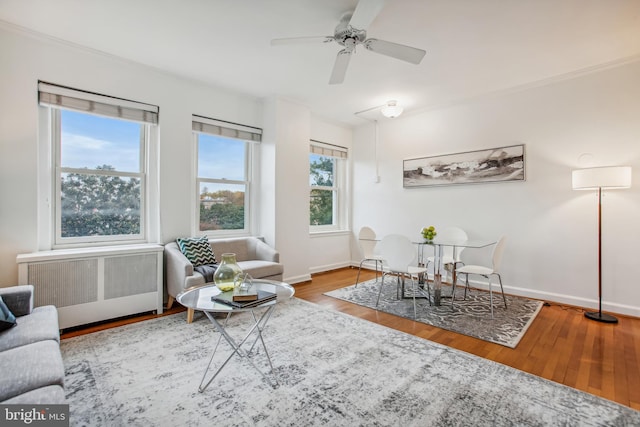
(7,319)
(197,250)
(41,324)
(32,366)
(238,246)
(259,269)
(49,395)
(19,299)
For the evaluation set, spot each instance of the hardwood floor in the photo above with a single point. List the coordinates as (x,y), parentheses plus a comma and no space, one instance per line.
(561,344)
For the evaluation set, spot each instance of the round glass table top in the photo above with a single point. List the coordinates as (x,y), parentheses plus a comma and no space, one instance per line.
(200,297)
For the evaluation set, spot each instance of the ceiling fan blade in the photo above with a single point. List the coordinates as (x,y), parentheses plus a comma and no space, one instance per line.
(302,40)
(395,50)
(366,11)
(340,67)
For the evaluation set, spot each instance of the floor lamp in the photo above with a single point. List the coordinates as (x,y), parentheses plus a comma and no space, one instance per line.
(612,177)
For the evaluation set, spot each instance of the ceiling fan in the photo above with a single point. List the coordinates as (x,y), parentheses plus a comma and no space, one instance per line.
(350,32)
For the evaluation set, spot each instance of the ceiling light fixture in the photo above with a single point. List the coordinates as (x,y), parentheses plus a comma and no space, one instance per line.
(390,109)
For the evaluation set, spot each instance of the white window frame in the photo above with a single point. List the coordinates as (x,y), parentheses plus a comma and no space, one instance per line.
(339,187)
(49,181)
(249,136)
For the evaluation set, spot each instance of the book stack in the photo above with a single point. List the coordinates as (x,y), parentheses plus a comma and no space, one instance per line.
(261,297)
(245,294)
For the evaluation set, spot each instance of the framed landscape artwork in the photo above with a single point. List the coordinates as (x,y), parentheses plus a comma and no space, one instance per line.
(502,164)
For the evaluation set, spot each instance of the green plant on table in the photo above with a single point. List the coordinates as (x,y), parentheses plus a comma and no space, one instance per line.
(429,233)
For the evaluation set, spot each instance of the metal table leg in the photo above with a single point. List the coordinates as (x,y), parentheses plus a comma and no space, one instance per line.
(258,326)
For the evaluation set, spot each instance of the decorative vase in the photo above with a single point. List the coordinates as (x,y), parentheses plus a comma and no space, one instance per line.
(227,272)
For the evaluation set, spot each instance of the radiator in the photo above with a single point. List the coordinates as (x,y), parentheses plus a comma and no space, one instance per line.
(95,284)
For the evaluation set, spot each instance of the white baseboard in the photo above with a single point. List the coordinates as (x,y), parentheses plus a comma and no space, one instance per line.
(297,279)
(329,267)
(561,298)
(554,297)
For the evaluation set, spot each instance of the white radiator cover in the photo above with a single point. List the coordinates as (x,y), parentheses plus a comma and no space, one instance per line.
(94,284)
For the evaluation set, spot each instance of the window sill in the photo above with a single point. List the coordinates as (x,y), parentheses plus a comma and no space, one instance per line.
(223,234)
(75,253)
(327,233)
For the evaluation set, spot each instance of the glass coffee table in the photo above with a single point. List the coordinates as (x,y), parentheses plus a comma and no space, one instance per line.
(200,298)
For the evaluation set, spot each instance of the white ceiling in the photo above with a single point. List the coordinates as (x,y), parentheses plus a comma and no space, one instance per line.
(474,47)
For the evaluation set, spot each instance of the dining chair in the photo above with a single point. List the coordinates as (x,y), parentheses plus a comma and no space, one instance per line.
(367,242)
(484,271)
(399,254)
(450,255)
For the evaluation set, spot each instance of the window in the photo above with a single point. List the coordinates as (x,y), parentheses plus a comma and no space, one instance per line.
(223,177)
(327,178)
(99,147)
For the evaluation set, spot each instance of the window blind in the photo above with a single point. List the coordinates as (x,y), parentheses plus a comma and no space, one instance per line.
(329,150)
(227,129)
(62,97)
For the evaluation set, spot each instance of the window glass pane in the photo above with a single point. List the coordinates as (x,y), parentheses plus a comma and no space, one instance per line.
(322,170)
(88,141)
(321,207)
(221,206)
(221,158)
(99,205)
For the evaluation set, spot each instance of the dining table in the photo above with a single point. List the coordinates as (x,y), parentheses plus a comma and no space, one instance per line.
(438,245)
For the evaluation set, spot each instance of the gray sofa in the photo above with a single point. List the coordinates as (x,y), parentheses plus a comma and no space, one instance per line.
(30,359)
(253,255)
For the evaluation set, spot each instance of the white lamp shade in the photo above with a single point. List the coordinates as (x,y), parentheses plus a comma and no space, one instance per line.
(610,177)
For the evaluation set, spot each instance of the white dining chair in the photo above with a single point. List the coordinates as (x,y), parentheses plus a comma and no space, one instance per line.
(484,271)
(450,255)
(367,242)
(399,254)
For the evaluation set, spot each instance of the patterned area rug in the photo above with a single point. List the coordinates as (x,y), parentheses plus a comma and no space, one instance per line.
(470,317)
(332,369)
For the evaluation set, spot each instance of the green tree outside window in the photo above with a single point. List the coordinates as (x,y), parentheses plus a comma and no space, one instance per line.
(321,178)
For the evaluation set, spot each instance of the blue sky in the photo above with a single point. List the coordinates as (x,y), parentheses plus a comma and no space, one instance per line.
(220,157)
(89,141)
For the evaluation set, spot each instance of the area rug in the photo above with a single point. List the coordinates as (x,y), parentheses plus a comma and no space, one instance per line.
(470,317)
(333,370)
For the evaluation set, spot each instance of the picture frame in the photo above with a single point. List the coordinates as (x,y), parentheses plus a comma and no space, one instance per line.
(501,164)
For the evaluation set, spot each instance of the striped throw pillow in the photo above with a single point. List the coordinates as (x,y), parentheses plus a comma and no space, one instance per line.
(197,250)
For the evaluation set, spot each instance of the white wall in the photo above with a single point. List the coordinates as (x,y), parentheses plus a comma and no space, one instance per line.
(27,59)
(285,161)
(287,216)
(551,251)
(329,251)
(283,193)
(552,230)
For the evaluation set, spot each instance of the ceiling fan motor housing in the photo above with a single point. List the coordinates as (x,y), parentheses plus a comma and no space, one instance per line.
(346,35)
